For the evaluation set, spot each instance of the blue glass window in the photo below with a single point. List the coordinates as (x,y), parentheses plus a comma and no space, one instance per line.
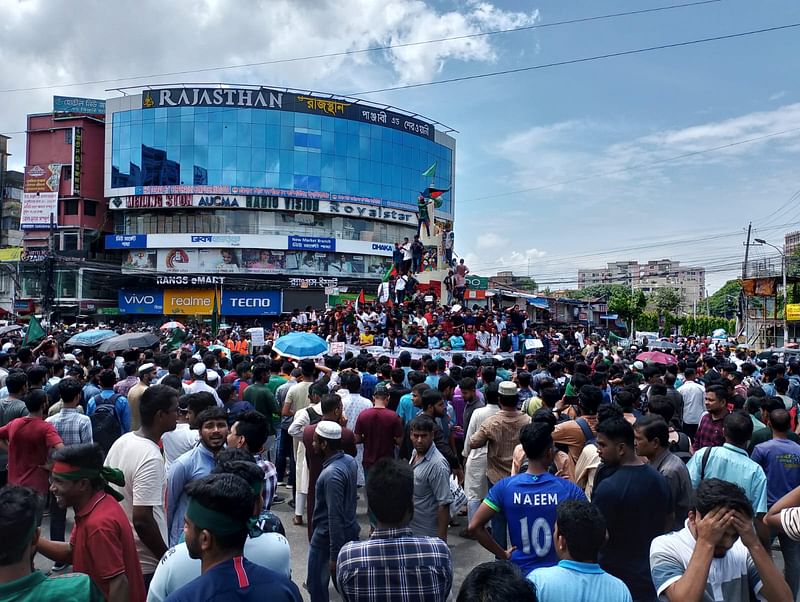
(254,147)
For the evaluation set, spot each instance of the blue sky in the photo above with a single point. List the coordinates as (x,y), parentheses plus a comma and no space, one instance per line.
(552,129)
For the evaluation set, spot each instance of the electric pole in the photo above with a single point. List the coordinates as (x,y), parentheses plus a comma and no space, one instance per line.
(742,297)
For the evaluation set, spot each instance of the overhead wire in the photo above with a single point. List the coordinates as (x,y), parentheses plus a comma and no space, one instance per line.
(368,49)
(576,61)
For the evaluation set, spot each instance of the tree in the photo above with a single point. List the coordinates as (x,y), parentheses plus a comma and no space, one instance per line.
(666,300)
(600,290)
(725,301)
(629,305)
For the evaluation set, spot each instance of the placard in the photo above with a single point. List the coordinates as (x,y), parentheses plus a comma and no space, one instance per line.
(257,337)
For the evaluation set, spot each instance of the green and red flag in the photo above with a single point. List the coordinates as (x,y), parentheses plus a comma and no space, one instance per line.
(361,300)
(392,271)
(434,194)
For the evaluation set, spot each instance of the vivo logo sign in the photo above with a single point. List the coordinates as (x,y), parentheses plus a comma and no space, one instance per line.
(140,299)
(251,303)
(141,302)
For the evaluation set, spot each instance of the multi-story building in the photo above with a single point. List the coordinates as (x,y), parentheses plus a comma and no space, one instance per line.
(63,214)
(689,281)
(10,205)
(281,197)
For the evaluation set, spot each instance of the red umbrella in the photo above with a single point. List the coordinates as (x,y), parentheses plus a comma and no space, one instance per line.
(657,357)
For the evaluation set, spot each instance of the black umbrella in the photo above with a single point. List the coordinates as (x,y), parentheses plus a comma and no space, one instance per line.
(131,340)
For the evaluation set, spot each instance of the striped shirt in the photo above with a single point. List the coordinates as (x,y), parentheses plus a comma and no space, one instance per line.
(72,426)
(790,521)
(394,565)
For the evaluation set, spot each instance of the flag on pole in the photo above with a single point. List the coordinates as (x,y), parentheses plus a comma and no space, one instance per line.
(35,332)
(431,171)
(392,271)
(361,300)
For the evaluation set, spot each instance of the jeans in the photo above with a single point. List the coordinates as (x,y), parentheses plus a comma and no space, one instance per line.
(58,520)
(416,263)
(791,562)
(285,451)
(319,573)
(499,527)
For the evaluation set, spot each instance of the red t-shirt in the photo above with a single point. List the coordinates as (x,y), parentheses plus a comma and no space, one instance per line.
(378,427)
(103,546)
(470,341)
(29,442)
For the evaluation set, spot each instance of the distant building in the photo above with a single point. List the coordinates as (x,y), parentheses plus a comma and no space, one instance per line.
(791,243)
(690,281)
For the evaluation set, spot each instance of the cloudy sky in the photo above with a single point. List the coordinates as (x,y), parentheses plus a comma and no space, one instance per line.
(657,154)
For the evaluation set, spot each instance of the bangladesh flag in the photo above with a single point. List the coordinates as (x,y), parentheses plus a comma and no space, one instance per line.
(434,193)
(35,332)
(392,271)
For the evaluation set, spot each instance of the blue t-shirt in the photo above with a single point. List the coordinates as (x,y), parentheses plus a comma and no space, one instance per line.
(529,505)
(780,459)
(238,580)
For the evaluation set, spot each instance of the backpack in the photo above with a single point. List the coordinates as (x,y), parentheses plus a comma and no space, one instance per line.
(588,435)
(106,423)
(681,447)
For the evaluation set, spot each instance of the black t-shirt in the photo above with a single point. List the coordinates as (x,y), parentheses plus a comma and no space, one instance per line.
(635,501)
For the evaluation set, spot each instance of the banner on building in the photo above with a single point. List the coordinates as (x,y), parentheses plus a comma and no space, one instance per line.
(141,302)
(40,196)
(77,140)
(71,105)
(11,254)
(793,312)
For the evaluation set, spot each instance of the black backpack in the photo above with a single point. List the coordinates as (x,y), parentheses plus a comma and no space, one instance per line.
(106,423)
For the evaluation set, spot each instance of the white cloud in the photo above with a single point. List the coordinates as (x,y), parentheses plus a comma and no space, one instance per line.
(488,240)
(778,95)
(108,40)
(582,159)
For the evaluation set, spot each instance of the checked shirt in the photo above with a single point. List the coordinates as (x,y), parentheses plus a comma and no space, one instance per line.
(394,565)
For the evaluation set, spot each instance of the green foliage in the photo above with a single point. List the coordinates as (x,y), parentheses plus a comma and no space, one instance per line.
(629,305)
(598,290)
(666,300)
(725,301)
(698,325)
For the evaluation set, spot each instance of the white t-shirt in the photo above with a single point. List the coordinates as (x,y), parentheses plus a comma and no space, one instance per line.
(178,442)
(730,578)
(141,462)
(177,568)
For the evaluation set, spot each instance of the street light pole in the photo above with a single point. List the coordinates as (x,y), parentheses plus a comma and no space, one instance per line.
(785,292)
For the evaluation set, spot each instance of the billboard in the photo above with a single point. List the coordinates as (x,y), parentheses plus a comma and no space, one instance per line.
(78,106)
(141,302)
(188,302)
(251,303)
(362,209)
(77,145)
(279,100)
(40,196)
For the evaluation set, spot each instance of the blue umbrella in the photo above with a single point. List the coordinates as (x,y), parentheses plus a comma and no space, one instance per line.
(301,345)
(90,338)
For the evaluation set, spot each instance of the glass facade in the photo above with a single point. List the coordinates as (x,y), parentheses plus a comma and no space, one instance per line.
(215,146)
(236,221)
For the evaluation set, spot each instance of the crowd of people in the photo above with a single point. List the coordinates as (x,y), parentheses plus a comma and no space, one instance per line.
(587,473)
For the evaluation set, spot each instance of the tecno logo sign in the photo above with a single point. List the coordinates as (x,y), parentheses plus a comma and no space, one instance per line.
(250,302)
